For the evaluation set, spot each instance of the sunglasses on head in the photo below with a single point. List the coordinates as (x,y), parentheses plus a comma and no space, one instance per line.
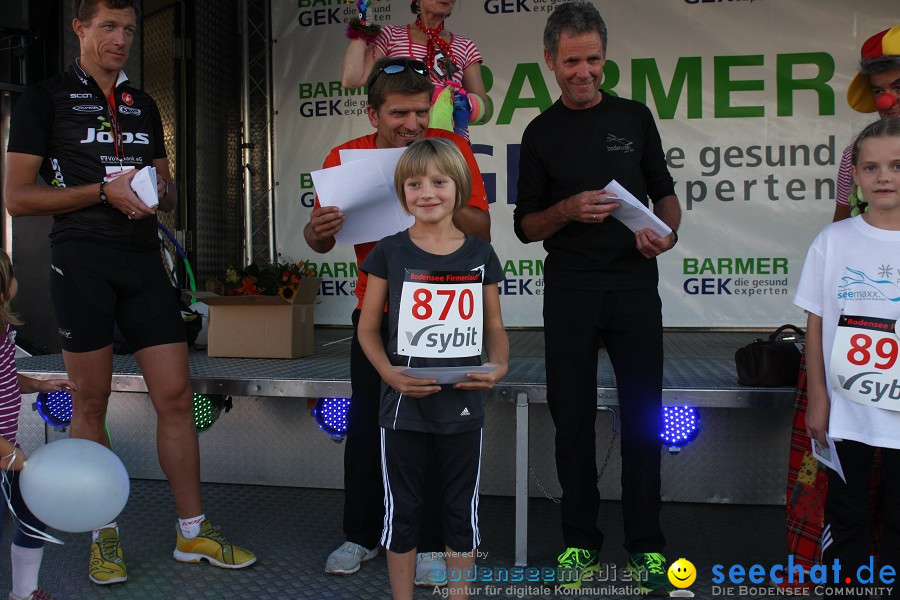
(402,64)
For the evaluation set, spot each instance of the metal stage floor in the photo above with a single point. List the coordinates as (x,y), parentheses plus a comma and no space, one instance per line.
(292,530)
(699,369)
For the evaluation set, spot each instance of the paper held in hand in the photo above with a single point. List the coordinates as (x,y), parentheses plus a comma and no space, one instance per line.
(447,375)
(827,455)
(362,186)
(634,215)
(143,184)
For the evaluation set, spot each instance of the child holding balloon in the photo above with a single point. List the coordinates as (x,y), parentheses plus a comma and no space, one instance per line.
(26,550)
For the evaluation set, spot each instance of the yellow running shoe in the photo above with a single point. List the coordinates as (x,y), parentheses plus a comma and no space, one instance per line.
(210,545)
(107,565)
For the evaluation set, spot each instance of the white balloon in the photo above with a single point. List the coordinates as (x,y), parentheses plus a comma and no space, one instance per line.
(74,485)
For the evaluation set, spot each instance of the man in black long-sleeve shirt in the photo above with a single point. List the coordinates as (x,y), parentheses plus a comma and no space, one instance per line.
(601,284)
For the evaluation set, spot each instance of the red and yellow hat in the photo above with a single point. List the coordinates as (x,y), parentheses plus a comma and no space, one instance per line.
(885,43)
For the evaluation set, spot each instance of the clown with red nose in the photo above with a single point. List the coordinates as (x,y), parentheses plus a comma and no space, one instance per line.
(877,85)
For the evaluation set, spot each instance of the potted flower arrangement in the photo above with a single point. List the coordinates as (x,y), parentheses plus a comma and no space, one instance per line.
(262,311)
(276,279)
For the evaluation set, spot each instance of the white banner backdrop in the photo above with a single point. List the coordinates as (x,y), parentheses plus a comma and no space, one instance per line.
(749,96)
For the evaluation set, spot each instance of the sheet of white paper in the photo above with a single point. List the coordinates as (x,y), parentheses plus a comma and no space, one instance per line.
(365,194)
(387,157)
(143,184)
(447,375)
(633,214)
(828,456)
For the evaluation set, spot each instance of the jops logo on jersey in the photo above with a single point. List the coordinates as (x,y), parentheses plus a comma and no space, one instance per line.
(106,137)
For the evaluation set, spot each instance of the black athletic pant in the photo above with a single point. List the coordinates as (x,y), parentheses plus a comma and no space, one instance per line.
(846,535)
(363,486)
(630,325)
(23,536)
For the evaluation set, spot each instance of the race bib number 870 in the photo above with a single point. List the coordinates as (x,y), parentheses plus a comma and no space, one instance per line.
(864,361)
(440,314)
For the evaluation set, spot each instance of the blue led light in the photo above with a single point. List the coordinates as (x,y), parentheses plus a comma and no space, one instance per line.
(681,425)
(55,408)
(331,415)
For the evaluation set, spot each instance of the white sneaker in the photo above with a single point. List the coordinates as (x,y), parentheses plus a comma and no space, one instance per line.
(346,559)
(431,569)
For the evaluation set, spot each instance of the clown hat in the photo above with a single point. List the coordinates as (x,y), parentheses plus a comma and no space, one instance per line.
(886,43)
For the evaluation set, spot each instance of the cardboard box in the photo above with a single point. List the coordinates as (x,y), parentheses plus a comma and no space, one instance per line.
(262,326)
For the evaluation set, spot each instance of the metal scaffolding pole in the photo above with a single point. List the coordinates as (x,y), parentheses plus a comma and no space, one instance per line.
(245,131)
(257,112)
(270,164)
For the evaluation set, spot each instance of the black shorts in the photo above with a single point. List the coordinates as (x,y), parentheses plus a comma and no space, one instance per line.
(454,460)
(92,286)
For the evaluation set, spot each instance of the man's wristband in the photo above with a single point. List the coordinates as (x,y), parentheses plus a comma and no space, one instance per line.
(166,193)
(675,240)
(103,199)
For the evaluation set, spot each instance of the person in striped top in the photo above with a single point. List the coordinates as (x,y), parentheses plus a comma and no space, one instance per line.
(26,551)
(452,60)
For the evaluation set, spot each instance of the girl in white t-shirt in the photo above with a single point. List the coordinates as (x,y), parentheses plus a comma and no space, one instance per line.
(850,288)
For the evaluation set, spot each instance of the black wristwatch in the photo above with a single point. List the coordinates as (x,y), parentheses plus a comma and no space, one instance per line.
(103,199)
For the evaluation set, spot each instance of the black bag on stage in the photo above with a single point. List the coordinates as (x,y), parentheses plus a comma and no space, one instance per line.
(771,363)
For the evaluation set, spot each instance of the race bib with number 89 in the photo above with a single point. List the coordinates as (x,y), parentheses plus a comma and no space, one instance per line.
(864,361)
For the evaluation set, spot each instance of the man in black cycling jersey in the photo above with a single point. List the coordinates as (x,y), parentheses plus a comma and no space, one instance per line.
(86,133)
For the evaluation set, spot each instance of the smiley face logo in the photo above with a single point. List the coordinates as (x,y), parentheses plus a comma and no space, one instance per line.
(682,573)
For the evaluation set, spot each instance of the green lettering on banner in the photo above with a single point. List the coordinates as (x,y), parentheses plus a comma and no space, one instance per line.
(779,265)
(735,266)
(513,100)
(645,73)
(305,180)
(338,269)
(743,267)
(328,89)
(818,84)
(611,76)
(522,267)
(724,86)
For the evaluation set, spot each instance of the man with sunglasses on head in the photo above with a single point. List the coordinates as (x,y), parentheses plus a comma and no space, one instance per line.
(399,101)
